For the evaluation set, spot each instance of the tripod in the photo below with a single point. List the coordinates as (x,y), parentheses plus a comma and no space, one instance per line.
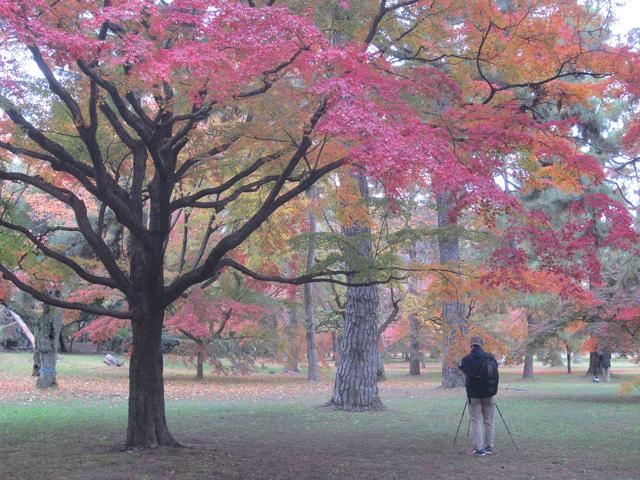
(462,417)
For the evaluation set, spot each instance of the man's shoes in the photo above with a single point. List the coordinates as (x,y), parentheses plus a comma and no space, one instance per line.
(479,453)
(488,450)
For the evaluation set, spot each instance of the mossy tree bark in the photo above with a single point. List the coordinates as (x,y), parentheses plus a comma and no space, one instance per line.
(47,341)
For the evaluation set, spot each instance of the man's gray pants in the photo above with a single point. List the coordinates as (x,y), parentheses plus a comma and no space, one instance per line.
(483,413)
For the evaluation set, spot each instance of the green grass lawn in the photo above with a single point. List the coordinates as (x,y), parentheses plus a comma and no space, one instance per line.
(270,426)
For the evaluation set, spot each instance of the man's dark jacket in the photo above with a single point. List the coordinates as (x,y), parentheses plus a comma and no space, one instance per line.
(604,360)
(471,365)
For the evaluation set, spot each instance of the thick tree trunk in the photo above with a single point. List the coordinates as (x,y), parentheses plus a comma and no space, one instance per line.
(356,387)
(147,423)
(313,373)
(527,371)
(453,312)
(46,352)
(199,365)
(556,359)
(593,364)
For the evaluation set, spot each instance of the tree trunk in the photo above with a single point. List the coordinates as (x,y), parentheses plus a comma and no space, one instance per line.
(453,312)
(556,359)
(527,371)
(356,387)
(147,423)
(414,350)
(200,365)
(62,346)
(381,373)
(452,376)
(313,373)
(593,364)
(414,353)
(292,349)
(47,340)
(569,360)
(335,348)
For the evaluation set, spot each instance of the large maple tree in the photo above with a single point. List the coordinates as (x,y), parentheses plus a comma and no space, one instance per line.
(170,106)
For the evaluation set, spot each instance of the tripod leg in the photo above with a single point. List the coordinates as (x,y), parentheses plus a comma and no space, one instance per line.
(459,423)
(507,427)
(469,426)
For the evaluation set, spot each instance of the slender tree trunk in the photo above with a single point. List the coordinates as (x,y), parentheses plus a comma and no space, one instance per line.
(47,341)
(414,351)
(292,349)
(569,360)
(62,346)
(453,312)
(382,341)
(200,365)
(313,373)
(414,354)
(185,241)
(147,423)
(527,371)
(335,348)
(356,387)
(381,373)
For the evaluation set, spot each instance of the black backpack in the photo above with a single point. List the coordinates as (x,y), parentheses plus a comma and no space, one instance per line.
(487,380)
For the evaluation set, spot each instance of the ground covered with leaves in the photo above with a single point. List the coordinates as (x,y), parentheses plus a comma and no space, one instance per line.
(270,425)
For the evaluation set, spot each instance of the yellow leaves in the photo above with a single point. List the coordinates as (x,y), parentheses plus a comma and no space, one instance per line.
(557,175)
(576,326)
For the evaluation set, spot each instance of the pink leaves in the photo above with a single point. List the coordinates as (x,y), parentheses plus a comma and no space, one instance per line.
(103,328)
(209,317)
(225,44)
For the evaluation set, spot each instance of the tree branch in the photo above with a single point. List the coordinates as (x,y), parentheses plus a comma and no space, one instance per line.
(56,302)
(63,259)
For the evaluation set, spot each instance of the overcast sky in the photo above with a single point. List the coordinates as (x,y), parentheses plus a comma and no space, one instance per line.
(628,16)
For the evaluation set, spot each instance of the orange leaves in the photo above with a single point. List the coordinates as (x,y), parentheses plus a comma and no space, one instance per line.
(353,208)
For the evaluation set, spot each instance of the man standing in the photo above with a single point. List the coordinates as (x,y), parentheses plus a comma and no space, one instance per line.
(481,370)
(604,362)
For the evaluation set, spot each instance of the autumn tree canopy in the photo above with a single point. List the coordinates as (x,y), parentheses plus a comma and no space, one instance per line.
(123,118)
